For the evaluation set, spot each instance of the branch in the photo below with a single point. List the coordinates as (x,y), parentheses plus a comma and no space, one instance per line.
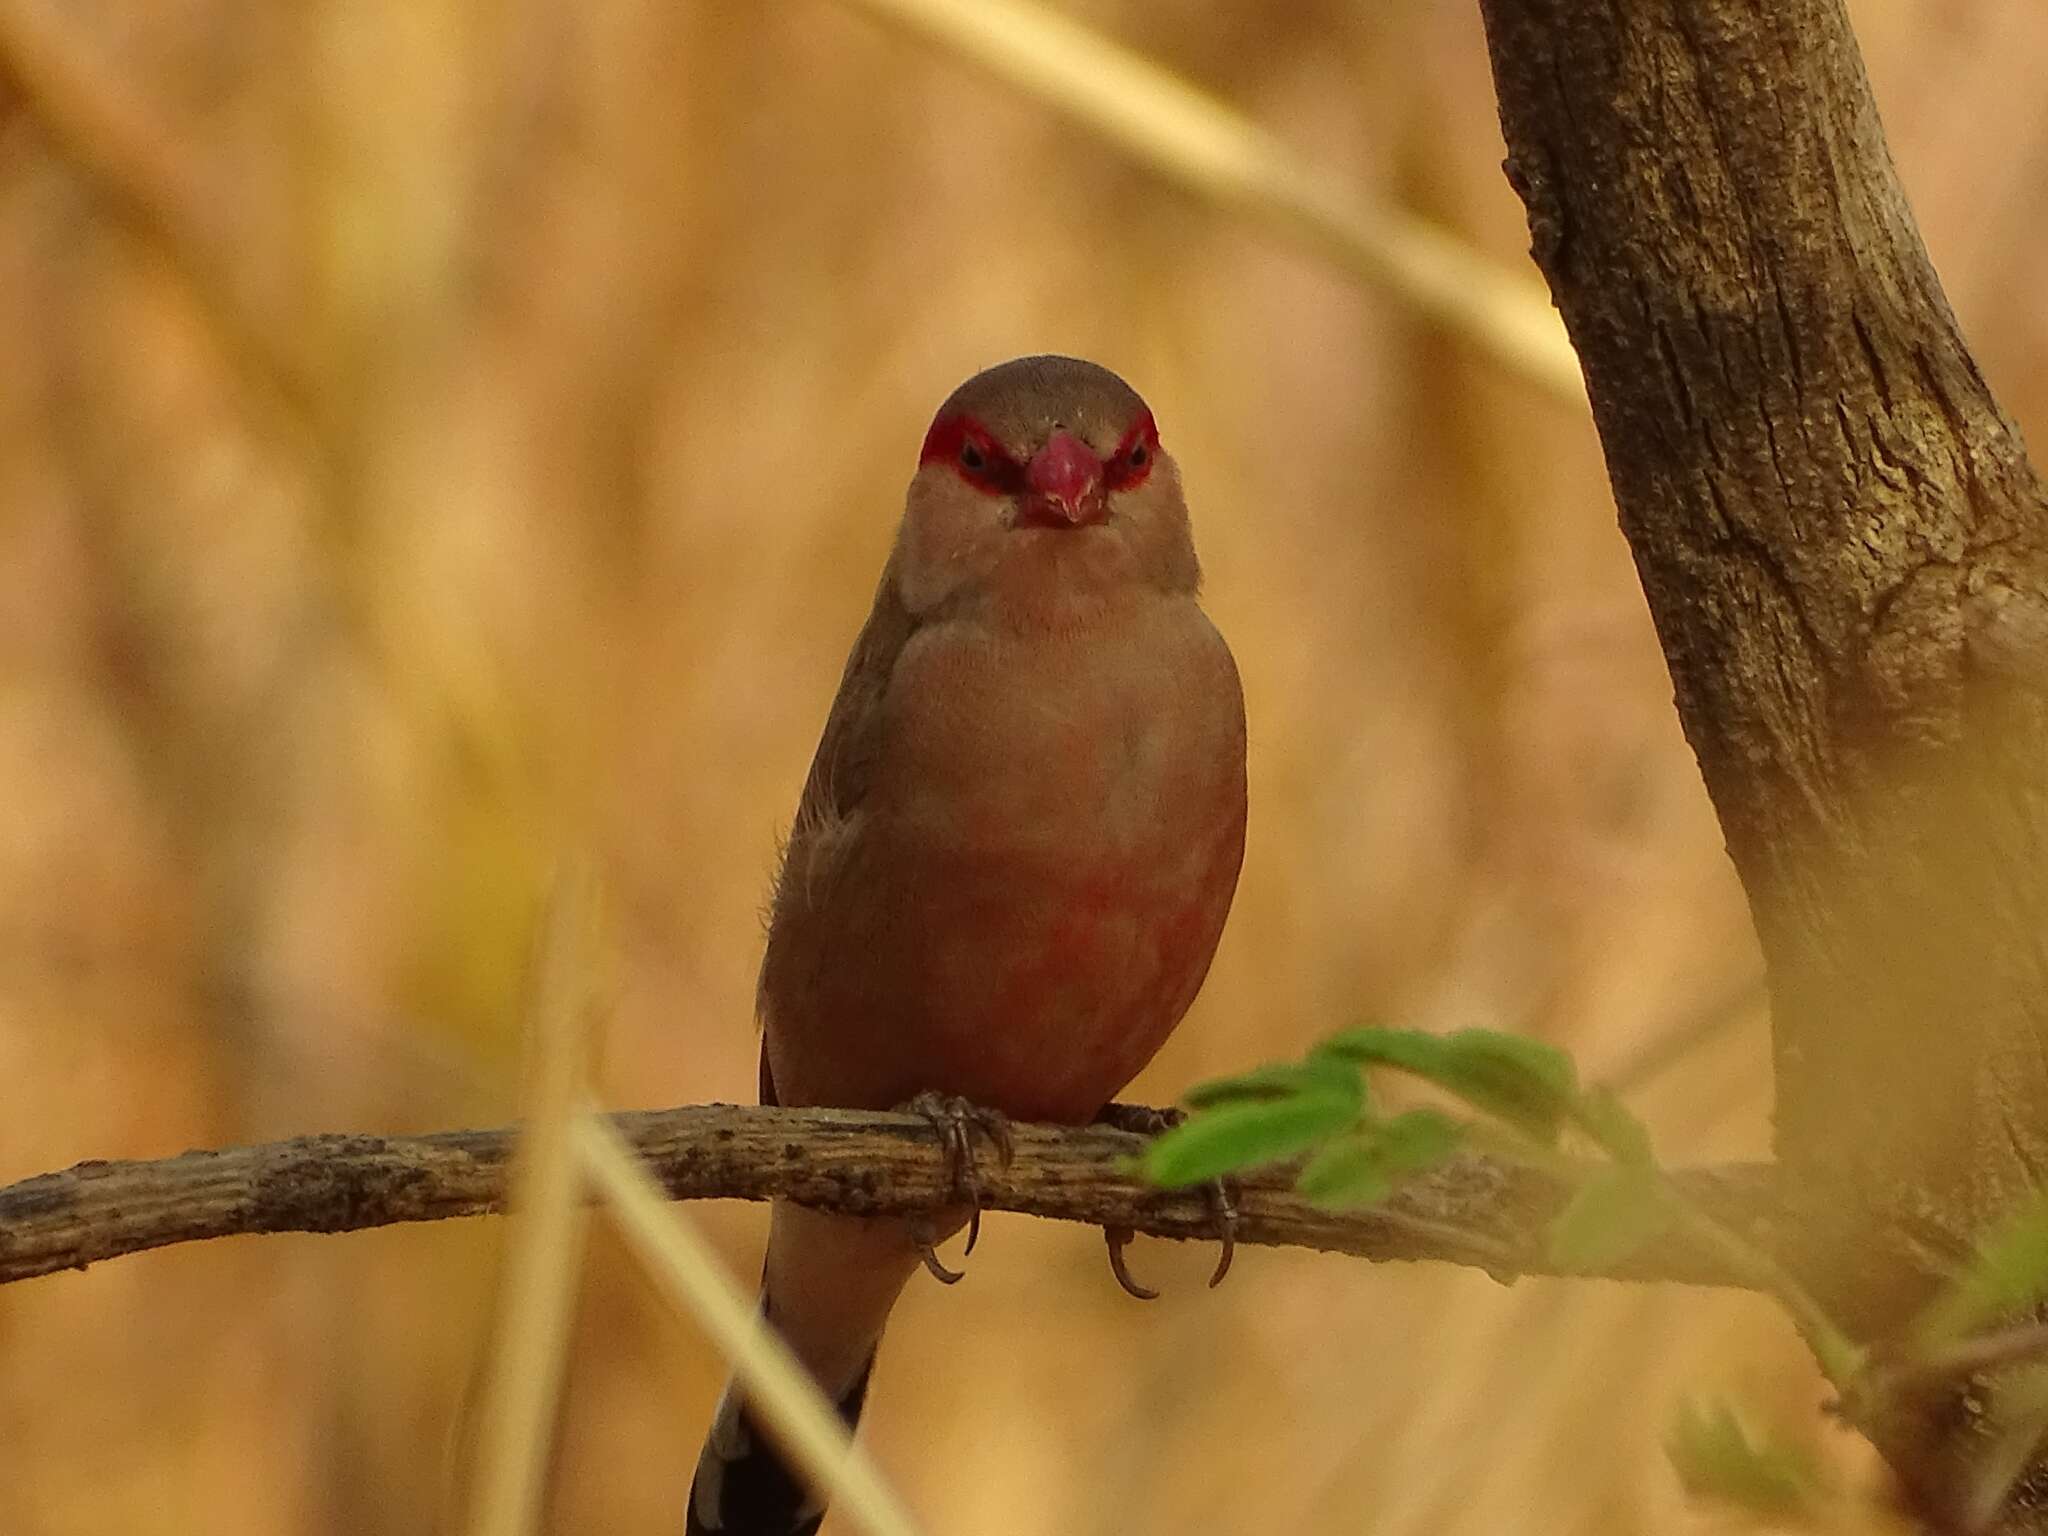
(1845,550)
(1474,1212)
(1966,1356)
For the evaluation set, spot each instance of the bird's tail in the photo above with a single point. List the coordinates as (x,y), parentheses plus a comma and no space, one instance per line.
(744,1487)
(827,1287)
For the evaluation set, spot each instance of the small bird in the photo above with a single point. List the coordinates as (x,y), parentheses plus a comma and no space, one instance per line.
(1015,850)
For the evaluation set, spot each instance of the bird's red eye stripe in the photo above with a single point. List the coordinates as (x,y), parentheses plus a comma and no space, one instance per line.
(1132,461)
(974,453)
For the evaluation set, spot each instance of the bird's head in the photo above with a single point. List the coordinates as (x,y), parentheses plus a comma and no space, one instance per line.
(1043,470)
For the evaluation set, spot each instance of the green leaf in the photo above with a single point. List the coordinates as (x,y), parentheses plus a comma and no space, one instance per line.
(1613,1214)
(1717,1458)
(1530,1085)
(1237,1136)
(1420,1140)
(1413,1050)
(1362,1166)
(1348,1172)
(1275,1080)
(1614,1126)
(2008,1275)
(1521,1080)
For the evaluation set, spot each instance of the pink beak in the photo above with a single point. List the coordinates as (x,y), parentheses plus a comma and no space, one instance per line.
(1065,483)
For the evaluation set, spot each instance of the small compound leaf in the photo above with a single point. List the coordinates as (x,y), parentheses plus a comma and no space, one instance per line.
(1614,1127)
(1717,1458)
(1614,1213)
(1234,1137)
(1523,1080)
(2006,1276)
(1412,1050)
(1544,1064)
(1530,1085)
(1276,1080)
(1362,1167)
(1419,1140)
(1348,1172)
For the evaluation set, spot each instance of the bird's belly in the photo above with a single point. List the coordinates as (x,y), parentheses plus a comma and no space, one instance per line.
(1045,988)
(1030,898)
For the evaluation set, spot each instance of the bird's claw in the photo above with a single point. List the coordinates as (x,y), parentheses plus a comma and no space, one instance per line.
(1142,1120)
(1222,1197)
(1118,1239)
(957,1120)
(921,1237)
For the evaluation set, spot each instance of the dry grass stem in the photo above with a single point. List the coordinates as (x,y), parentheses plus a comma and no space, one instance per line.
(537,1300)
(1222,155)
(688,1272)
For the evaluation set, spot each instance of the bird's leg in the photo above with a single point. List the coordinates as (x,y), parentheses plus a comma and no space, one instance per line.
(1141,1120)
(957,1121)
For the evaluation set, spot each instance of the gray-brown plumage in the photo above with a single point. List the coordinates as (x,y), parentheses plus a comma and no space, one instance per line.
(1017,844)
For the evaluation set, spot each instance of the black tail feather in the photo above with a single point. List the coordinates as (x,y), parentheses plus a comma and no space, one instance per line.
(743,1487)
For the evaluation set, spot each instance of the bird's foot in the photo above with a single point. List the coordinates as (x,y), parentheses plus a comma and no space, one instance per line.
(1139,1119)
(957,1121)
(1142,1120)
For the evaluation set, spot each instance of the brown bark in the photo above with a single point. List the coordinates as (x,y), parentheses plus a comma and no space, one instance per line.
(1845,552)
(1471,1212)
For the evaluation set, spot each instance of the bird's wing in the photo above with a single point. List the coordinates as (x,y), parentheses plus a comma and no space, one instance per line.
(844,763)
(828,815)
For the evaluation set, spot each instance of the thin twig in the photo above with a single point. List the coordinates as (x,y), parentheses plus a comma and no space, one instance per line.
(1474,1211)
(1965,1356)
(2022,1423)
(1840,1358)
(1190,136)
(1750,1263)
(777,1387)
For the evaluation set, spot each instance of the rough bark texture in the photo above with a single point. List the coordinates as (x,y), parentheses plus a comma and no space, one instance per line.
(1471,1212)
(1845,551)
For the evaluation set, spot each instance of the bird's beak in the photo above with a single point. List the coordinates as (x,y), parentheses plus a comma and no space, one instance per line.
(1063,485)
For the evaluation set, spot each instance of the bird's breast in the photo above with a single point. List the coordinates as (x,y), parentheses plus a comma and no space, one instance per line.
(1057,850)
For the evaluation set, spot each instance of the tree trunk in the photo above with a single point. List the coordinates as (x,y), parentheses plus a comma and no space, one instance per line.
(1846,554)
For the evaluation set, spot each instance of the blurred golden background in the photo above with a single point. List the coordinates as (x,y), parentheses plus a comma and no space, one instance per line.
(487,443)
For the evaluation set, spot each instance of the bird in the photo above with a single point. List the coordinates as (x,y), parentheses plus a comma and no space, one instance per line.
(1014,852)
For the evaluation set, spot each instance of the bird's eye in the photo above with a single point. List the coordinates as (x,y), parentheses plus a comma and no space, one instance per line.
(971,458)
(1137,456)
